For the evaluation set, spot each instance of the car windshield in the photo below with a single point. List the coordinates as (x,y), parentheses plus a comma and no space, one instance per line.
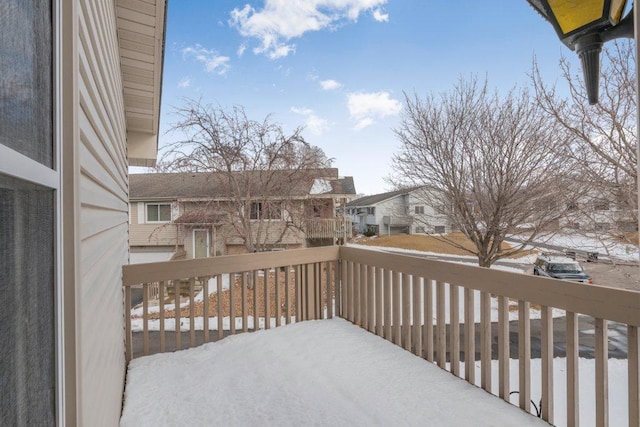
(565,268)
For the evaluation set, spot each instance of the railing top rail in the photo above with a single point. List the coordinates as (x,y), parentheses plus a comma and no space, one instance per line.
(603,302)
(135,274)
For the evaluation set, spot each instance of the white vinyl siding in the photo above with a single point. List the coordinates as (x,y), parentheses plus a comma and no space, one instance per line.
(103,214)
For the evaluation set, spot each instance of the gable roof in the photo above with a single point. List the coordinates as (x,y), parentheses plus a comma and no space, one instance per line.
(377,198)
(205,185)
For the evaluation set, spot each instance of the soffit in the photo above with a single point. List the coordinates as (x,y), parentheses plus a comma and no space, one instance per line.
(141,35)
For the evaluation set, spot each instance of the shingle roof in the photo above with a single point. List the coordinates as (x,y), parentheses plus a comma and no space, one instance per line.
(151,186)
(377,198)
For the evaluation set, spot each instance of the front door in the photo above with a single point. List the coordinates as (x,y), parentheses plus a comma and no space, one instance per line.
(200,243)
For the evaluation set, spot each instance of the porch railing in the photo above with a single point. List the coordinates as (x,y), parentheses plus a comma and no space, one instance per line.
(425,306)
(328,228)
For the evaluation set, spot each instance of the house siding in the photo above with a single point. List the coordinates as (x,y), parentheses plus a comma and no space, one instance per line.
(103,216)
(141,234)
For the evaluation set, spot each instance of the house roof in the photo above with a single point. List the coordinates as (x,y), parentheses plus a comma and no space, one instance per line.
(204,185)
(377,198)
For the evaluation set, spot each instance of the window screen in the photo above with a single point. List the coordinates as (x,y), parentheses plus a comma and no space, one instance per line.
(26,123)
(27,336)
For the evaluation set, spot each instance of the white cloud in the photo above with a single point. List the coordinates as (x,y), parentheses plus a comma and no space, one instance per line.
(364,108)
(241,49)
(213,62)
(314,123)
(281,21)
(185,82)
(330,85)
(380,16)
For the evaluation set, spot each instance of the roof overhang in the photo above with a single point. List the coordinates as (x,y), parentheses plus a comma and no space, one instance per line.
(141,37)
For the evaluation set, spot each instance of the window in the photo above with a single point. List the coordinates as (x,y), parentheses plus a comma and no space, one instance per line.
(418,209)
(419,230)
(601,206)
(371,211)
(265,210)
(602,226)
(28,211)
(439,229)
(158,212)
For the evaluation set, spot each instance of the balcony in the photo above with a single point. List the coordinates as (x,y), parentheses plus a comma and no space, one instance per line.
(323,228)
(468,321)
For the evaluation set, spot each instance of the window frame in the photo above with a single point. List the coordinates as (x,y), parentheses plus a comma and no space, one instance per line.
(158,204)
(418,209)
(263,207)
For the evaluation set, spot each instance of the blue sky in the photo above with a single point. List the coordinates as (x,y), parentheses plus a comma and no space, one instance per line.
(339,67)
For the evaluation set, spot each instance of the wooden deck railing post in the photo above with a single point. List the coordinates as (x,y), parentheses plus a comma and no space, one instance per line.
(633,361)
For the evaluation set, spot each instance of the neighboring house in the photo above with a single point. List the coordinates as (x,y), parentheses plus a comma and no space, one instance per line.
(411,211)
(595,214)
(195,215)
(79,103)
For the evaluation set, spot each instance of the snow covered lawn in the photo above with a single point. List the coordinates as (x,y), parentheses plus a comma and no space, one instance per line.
(326,372)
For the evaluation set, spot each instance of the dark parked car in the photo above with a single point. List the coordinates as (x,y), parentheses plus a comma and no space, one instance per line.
(560,267)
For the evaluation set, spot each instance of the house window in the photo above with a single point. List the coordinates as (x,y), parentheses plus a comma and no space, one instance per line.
(419,230)
(439,229)
(418,209)
(29,196)
(265,210)
(601,206)
(371,211)
(158,212)
(602,226)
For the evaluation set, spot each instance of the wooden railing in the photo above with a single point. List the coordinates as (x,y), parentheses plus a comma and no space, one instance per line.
(328,228)
(403,299)
(250,292)
(393,296)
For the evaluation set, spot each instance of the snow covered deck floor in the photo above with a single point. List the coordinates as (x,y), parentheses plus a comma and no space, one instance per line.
(325,372)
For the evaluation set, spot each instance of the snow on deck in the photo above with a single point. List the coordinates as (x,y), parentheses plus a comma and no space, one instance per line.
(325,372)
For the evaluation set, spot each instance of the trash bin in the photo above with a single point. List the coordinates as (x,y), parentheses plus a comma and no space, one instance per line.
(592,256)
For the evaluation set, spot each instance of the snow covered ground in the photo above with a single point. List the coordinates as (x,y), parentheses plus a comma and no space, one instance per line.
(331,372)
(327,372)
(591,243)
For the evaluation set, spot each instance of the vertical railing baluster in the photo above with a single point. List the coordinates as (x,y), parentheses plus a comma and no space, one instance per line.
(406,311)
(338,288)
(219,308)
(356,294)
(573,410)
(454,328)
(145,318)
(161,314)
(524,356)
(547,363)
(176,312)
(441,336)
(351,314)
(205,309)
(364,291)
(485,341)
(428,320)
(387,304)
(417,316)
(287,295)
(298,290)
(192,314)
(602,373)
(379,302)
(243,294)
(469,336)
(232,303)
(256,318)
(330,289)
(397,338)
(503,348)
(267,299)
(371,299)
(127,323)
(278,306)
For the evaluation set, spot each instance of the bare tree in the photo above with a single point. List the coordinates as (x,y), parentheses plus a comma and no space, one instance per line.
(258,174)
(485,162)
(600,141)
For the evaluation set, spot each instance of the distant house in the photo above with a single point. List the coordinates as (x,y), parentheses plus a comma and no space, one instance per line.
(196,215)
(411,211)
